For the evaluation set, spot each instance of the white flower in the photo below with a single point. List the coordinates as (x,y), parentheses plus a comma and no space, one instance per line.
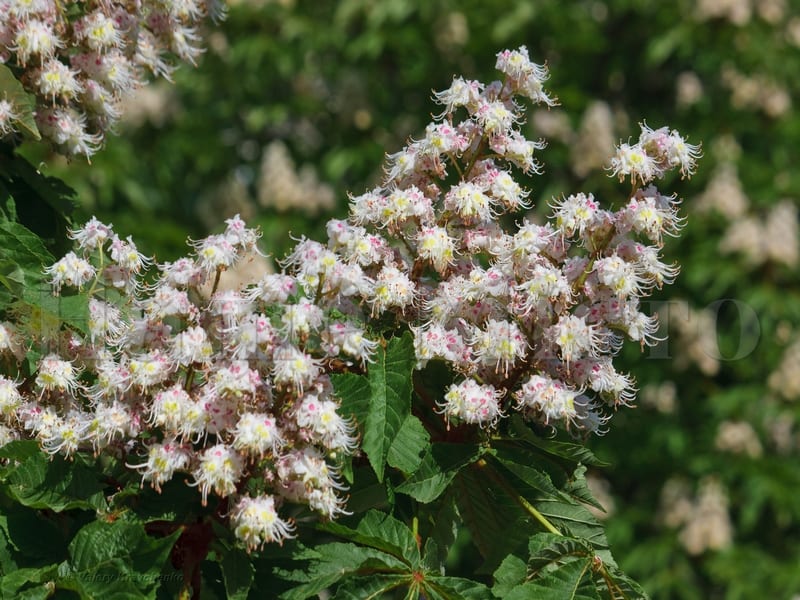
(460,93)
(191,346)
(70,270)
(11,340)
(111,422)
(10,398)
(169,408)
(550,398)
(66,435)
(470,202)
(162,462)
(125,254)
(499,344)
(219,470)
(57,374)
(257,434)
(293,367)
(325,424)
(150,369)
(35,38)
(57,79)
(634,161)
(575,338)
(256,522)
(472,403)
(434,244)
(8,116)
(105,321)
(392,288)
(92,235)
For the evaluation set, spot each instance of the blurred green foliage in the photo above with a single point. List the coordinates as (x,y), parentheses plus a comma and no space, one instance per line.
(342,83)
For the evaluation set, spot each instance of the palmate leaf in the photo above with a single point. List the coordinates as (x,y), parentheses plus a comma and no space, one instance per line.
(440,523)
(115,560)
(576,521)
(496,521)
(572,581)
(455,588)
(371,588)
(383,532)
(237,571)
(22,256)
(72,310)
(515,463)
(386,559)
(579,489)
(28,583)
(332,563)
(562,567)
(32,538)
(381,405)
(38,481)
(503,503)
(42,204)
(407,449)
(547,548)
(24,104)
(511,573)
(573,453)
(440,465)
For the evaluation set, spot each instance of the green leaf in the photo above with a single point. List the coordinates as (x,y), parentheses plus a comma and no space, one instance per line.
(407,449)
(24,104)
(7,561)
(18,451)
(35,537)
(511,573)
(24,247)
(430,556)
(366,492)
(576,521)
(572,452)
(50,190)
(624,585)
(572,581)
(439,466)
(354,392)
(578,488)
(373,587)
(548,548)
(381,405)
(330,563)
(28,583)
(383,532)
(116,560)
(237,570)
(530,475)
(496,521)
(444,522)
(72,310)
(455,588)
(55,484)
(22,256)
(390,399)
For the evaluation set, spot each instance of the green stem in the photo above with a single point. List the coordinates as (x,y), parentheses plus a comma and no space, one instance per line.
(578,284)
(454,162)
(187,383)
(99,272)
(527,506)
(475,157)
(216,281)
